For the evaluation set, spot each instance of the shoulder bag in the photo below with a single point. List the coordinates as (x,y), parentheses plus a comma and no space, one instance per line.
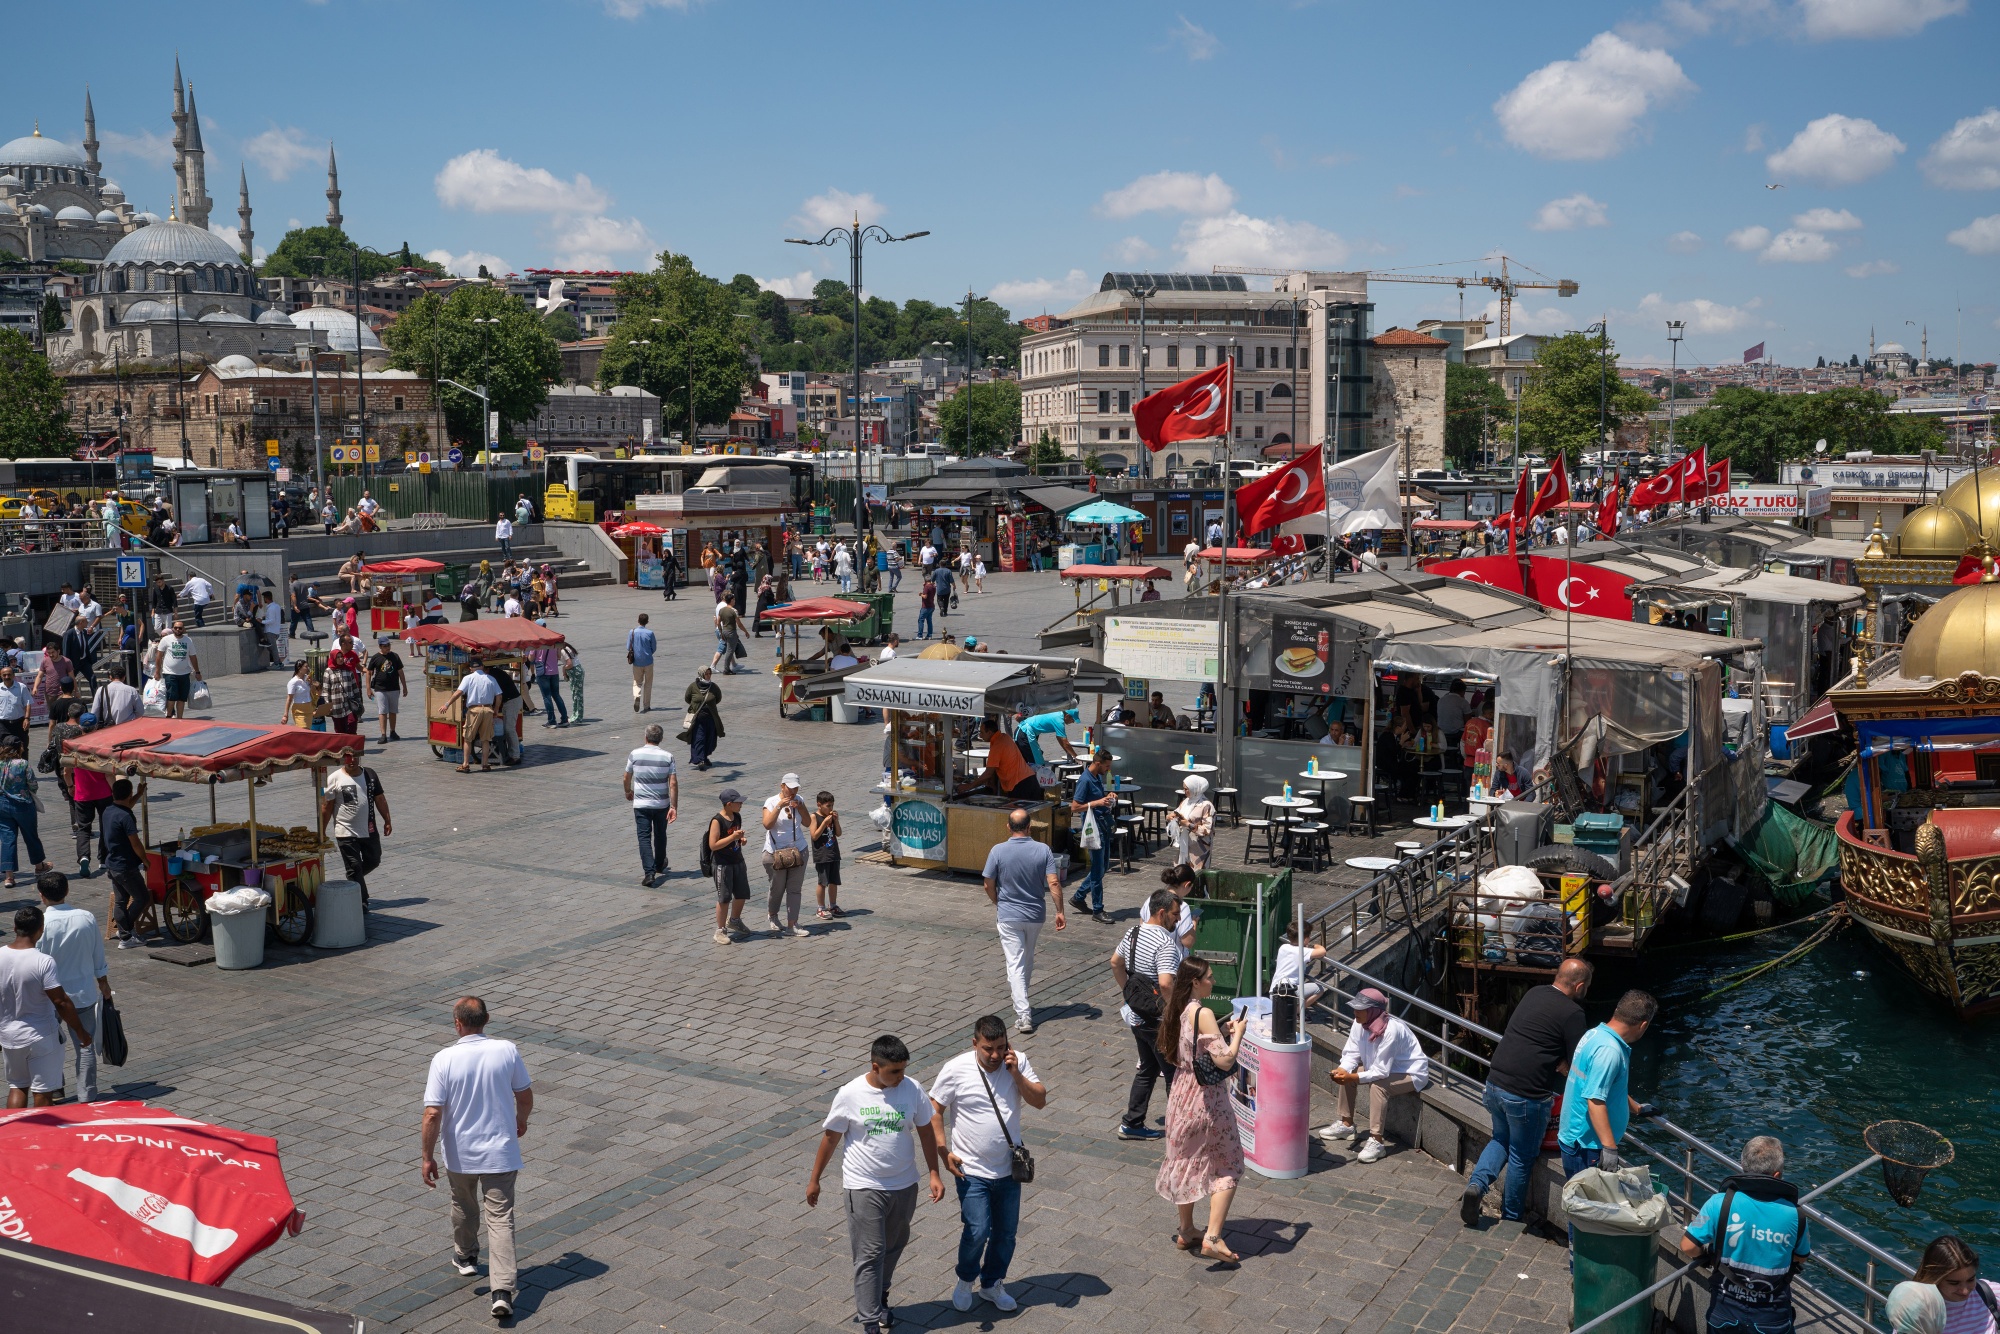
(111,1043)
(1020,1161)
(1141,993)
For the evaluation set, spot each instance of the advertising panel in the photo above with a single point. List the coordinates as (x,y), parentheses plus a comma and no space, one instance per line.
(1154,647)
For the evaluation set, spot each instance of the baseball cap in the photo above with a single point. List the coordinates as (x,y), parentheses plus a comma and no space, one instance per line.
(1368,998)
(727,795)
(790,780)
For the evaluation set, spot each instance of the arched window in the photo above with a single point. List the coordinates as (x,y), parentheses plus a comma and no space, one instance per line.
(1281,390)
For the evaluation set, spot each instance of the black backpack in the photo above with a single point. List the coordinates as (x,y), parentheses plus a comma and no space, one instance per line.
(708,853)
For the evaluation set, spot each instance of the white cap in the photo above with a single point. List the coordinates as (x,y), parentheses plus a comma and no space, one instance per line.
(790,780)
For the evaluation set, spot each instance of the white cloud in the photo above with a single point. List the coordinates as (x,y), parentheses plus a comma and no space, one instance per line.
(485,182)
(837,208)
(632,9)
(1753,139)
(1873,268)
(1526,319)
(1197,41)
(591,242)
(1236,238)
(280,151)
(1837,150)
(146,146)
(1981,236)
(799,284)
(1967,157)
(1569,213)
(1796,246)
(1134,250)
(467,264)
(1066,290)
(1826,20)
(1747,239)
(1827,220)
(229,235)
(1684,243)
(1702,316)
(1168,192)
(1587,107)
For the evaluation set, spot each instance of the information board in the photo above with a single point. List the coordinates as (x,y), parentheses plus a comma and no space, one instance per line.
(1162,649)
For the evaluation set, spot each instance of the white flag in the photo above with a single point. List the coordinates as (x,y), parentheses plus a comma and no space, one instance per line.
(1360,494)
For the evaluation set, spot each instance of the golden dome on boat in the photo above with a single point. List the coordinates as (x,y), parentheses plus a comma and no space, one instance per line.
(1960,634)
(1976,497)
(1933,532)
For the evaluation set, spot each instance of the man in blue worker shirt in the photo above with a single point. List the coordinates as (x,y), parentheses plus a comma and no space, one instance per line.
(1596,1106)
(1762,1243)
(1033,728)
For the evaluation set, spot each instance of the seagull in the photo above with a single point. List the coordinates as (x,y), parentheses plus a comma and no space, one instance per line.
(1774,187)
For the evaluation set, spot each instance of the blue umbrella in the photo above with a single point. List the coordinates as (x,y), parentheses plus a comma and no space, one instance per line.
(1104,511)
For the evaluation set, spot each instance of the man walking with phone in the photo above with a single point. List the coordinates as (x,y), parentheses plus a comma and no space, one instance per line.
(982,1091)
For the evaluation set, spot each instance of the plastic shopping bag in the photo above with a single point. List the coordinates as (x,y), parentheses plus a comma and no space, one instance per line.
(153,699)
(1621,1203)
(200,699)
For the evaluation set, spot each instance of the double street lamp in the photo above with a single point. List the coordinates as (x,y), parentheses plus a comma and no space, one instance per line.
(853,237)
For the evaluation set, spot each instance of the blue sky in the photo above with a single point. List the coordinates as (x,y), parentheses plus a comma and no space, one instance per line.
(1041,144)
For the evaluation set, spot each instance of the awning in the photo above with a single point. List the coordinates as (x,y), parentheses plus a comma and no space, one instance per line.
(510,635)
(194,750)
(809,610)
(1238,555)
(1446,525)
(1057,499)
(1114,572)
(965,687)
(1104,511)
(405,565)
(1819,719)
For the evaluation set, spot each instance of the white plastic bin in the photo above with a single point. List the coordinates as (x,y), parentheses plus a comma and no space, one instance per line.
(339,920)
(239,939)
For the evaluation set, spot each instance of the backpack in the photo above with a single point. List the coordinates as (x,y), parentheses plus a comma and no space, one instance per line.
(708,853)
(1141,993)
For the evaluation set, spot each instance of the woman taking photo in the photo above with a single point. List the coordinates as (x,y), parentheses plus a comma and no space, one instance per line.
(1204,1152)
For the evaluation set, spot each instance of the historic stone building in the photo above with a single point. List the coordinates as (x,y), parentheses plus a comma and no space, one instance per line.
(235,408)
(1406,396)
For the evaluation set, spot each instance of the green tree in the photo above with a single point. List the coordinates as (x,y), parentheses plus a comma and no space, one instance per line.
(680,334)
(294,257)
(515,356)
(995,407)
(33,421)
(52,314)
(1758,430)
(562,326)
(1472,400)
(1046,451)
(1559,402)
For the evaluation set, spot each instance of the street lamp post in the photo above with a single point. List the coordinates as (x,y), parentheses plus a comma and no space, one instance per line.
(180,375)
(308,353)
(1143,291)
(1675,330)
(489,438)
(854,236)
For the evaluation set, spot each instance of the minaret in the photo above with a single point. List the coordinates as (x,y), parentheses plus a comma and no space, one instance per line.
(243,232)
(196,205)
(180,134)
(89,133)
(1927,347)
(332,189)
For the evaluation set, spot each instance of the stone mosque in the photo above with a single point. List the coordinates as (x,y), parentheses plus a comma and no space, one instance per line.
(161,288)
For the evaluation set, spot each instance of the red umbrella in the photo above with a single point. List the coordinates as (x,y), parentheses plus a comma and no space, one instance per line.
(142,1187)
(639,529)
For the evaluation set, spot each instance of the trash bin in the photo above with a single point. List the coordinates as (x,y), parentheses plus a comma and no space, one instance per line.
(1614,1217)
(339,920)
(1226,936)
(1271,1093)
(237,916)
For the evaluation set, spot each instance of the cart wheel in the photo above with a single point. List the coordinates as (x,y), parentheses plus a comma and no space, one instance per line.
(437,750)
(293,924)
(182,915)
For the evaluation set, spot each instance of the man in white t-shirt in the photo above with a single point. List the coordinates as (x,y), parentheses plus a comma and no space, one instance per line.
(476,1105)
(200,593)
(33,1003)
(982,1091)
(873,1119)
(178,666)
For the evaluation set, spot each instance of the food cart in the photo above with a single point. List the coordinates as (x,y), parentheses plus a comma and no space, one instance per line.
(181,872)
(933,707)
(642,542)
(397,590)
(1111,582)
(449,651)
(1441,538)
(846,618)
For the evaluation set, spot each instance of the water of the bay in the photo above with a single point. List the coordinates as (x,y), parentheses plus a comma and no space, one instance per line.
(1815,1051)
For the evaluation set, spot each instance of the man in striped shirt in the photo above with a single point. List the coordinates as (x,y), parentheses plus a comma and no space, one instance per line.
(654,790)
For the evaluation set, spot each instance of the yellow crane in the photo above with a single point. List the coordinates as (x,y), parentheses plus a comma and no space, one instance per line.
(1504,283)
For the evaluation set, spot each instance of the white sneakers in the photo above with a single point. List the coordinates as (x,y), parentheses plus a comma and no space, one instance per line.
(1373,1151)
(961,1296)
(1338,1130)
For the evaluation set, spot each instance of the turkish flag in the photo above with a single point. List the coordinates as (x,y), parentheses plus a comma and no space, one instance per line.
(1553,491)
(1673,483)
(1296,489)
(1716,483)
(1971,569)
(1578,586)
(1493,571)
(1607,513)
(1517,514)
(1198,408)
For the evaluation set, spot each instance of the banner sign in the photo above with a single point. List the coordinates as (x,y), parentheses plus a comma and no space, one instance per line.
(1772,502)
(1154,647)
(918,828)
(1301,656)
(917,699)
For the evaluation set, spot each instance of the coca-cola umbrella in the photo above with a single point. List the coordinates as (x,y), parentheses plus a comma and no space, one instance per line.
(142,1187)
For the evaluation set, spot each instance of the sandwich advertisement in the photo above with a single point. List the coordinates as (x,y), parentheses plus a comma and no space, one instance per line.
(1302,650)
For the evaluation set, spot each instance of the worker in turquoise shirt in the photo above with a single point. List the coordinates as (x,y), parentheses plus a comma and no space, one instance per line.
(1757,1250)
(1031,730)
(1596,1106)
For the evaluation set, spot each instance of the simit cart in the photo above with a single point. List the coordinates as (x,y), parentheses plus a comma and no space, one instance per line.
(449,651)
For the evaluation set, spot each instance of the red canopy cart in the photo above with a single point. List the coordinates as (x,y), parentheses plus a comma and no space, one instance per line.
(449,651)
(397,590)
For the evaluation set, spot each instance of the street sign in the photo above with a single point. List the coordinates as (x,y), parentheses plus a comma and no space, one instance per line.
(271,448)
(282,474)
(423,456)
(374,453)
(536,453)
(131,571)
(274,463)
(337,453)
(455,454)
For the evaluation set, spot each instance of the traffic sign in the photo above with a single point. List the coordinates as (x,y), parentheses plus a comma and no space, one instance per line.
(374,452)
(423,456)
(131,571)
(271,448)
(274,463)
(455,454)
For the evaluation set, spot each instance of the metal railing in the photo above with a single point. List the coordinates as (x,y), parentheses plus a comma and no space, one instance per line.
(1400,898)
(1691,1150)
(26,536)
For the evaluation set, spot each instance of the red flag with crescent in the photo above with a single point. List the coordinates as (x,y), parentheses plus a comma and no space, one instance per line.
(1607,513)
(1579,586)
(1298,488)
(1553,491)
(1493,571)
(1673,483)
(1517,514)
(1716,483)
(1198,408)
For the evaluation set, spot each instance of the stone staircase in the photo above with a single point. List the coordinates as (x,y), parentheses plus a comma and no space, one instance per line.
(570,572)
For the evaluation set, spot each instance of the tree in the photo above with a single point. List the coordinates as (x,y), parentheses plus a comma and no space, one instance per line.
(516,358)
(33,421)
(1559,401)
(327,252)
(1758,430)
(995,407)
(1046,451)
(562,326)
(677,336)
(52,314)
(1822,364)
(1471,398)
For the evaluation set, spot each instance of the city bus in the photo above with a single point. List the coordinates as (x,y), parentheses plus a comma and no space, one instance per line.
(590,489)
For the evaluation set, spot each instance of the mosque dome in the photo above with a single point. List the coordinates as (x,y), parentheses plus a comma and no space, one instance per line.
(223,317)
(1977,498)
(32,150)
(141,311)
(10,182)
(75,213)
(111,191)
(107,216)
(39,211)
(1892,350)
(338,326)
(173,243)
(146,219)
(1960,634)
(1933,532)
(235,362)
(272,315)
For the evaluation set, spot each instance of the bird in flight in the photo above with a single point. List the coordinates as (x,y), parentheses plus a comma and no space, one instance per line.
(1774,187)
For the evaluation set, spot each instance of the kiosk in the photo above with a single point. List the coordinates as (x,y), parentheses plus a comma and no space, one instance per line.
(450,649)
(396,592)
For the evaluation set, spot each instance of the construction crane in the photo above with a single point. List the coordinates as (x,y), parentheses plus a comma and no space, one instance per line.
(1504,283)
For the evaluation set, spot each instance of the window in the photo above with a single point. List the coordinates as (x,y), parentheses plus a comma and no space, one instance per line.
(1260,358)
(1104,400)
(1104,433)
(1288,359)
(1173,355)
(1124,400)
(1303,356)
(284,406)
(1259,432)
(1259,402)
(398,401)
(1200,355)
(1124,354)
(1124,433)
(1104,354)
(1238,405)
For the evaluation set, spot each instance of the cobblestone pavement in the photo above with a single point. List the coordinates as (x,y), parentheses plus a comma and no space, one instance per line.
(680,1083)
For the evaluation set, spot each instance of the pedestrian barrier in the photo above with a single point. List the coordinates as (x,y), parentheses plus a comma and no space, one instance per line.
(340,921)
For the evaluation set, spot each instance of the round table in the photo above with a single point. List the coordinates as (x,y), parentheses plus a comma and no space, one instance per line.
(1373,863)
(1449,822)
(1326,778)
(1193,768)
(1285,806)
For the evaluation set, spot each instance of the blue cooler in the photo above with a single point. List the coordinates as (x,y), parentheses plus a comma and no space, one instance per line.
(1600,834)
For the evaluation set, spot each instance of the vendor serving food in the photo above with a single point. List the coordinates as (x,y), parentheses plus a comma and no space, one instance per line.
(1007,771)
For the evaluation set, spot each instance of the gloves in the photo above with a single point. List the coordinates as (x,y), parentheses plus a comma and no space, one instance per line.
(1647,1111)
(1608,1159)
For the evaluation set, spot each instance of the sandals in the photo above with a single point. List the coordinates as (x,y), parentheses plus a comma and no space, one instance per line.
(1213,1248)
(465,768)
(823,914)
(1184,1242)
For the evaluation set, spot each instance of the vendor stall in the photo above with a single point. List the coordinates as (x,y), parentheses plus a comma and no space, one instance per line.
(934,707)
(1109,585)
(450,650)
(826,658)
(182,872)
(397,590)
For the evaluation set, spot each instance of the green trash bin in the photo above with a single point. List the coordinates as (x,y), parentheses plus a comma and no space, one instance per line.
(881,617)
(1614,1220)
(1226,935)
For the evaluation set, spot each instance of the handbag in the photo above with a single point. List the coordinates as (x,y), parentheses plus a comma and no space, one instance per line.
(1206,1072)
(786,858)
(111,1044)
(1142,994)
(1020,1162)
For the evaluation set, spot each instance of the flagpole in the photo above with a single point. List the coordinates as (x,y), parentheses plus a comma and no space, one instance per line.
(1222,672)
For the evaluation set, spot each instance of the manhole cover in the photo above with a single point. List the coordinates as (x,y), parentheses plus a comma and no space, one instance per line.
(187,956)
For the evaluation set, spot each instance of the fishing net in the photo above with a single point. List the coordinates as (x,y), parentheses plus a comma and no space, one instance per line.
(1909,1152)
(1792,853)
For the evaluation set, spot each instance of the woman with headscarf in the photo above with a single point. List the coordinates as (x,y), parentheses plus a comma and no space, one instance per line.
(472,593)
(704,717)
(1915,1308)
(767,597)
(1193,823)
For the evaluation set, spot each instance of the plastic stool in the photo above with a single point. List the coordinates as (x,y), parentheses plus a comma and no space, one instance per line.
(1309,840)
(1156,820)
(1228,794)
(1361,814)
(1253,824)
(339,920)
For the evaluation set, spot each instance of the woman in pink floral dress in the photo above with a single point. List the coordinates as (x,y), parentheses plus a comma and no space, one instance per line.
(1204,1155)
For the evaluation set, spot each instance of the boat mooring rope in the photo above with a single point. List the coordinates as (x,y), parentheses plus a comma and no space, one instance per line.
(1836,918)
(1745,935)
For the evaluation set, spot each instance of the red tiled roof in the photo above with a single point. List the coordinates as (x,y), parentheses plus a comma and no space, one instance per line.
(1406,338)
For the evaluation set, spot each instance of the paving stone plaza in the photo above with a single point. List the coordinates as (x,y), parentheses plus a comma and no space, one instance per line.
(680,1083)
